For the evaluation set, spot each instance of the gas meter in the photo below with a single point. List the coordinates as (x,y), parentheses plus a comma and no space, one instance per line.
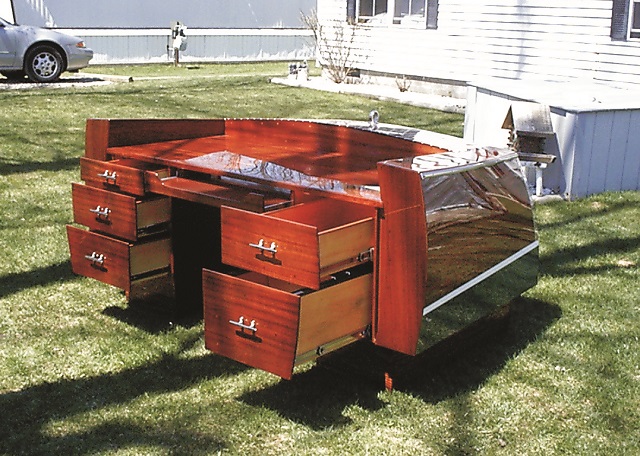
(179,36)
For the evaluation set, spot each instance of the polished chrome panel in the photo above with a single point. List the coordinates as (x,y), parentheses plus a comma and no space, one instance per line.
(480,278)
(481,300)
(481,240)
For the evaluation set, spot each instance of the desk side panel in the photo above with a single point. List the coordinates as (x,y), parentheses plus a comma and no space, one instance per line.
(402,259)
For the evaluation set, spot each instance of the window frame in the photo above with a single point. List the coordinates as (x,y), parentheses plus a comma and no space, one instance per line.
(383,18)
(634,16)
(622,20)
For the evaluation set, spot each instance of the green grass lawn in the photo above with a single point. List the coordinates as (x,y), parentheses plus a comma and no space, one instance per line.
(82,373)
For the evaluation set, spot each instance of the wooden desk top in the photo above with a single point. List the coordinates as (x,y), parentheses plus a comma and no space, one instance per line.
(286,154)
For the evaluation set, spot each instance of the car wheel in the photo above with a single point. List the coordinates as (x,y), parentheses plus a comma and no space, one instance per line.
(13,75)
(43,64)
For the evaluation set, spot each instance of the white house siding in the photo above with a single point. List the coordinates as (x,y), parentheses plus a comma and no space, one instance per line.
(6,10)
(515,39)
(556,53)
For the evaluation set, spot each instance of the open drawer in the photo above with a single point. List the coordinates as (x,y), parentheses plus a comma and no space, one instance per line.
(272,325)
(303,244)
(116,262)
(119,215)
(122,175)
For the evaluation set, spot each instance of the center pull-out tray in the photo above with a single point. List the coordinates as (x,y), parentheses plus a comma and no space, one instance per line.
(271,325)
(303,244)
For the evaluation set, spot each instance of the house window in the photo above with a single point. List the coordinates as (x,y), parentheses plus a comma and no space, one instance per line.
(625,20)
(413,13)
(370,9)
(634,20)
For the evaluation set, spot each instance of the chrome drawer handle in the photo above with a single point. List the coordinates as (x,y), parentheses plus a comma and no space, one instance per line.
(108,176)
(96,258)
(101,212)
(240,323)
(273,248)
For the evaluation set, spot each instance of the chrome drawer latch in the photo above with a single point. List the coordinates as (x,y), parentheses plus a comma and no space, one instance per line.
(267,252)
(108,176)
(240,323)
(262,246)
(96,258)
(101,212)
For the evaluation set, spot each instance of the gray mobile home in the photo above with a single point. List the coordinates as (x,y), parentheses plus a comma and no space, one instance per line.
(137,32)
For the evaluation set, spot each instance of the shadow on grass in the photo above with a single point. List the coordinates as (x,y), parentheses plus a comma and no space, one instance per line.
(31,411)
(465,362)
(565,262)
(316,398)
(14,283)
(456,366)
(579,212)
(155,315)
(64,164)
(63,81)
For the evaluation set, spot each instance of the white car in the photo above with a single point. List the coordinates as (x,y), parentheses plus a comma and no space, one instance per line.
(40,54)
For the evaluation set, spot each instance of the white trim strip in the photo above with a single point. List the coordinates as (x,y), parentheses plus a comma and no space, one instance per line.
(476,280)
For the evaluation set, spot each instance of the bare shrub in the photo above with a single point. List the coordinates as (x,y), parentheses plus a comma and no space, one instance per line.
(334,45)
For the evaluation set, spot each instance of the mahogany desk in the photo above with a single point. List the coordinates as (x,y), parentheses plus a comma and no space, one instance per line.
(300,237)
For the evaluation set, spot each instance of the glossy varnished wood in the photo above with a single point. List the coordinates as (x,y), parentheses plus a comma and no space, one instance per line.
(287,326)
(276,315)
(312,161)
(104,133)
(333,313)
(309,241)
(212,194)
(288,154)
(117,214)
(323,150)
(402,259)
(329,151)
(122,261)
(267,215)
(117,175)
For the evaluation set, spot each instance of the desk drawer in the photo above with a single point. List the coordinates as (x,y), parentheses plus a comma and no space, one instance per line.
(120,175)
(266,324)
(303,244)
(117,214)
(115,262)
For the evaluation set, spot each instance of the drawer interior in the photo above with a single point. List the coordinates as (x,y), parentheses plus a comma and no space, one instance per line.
(325,214)
(274,325)
(119,215)
(116,262)
(302,244)
(341,307)
(153,211)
